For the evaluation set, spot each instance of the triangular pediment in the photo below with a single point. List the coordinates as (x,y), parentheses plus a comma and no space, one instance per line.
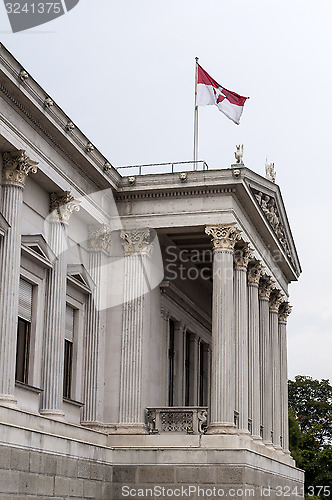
(79,277)
(36,248)
(270,205)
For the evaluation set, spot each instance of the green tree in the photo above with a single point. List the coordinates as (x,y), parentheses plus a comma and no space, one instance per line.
(310,431)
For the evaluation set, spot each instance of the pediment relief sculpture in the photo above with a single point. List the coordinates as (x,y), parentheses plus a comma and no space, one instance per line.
(270,210)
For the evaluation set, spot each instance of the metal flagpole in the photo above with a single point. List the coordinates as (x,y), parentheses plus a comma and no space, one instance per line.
(196,118)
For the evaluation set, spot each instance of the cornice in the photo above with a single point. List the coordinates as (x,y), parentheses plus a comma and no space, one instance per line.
(31,90)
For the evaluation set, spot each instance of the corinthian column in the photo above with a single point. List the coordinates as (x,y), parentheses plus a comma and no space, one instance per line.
(224,237)
(275,300)
(265,289)
(99,250)
(241,259)
(16,168)
(284,311)
(255,272)
(135,330)
(61,207)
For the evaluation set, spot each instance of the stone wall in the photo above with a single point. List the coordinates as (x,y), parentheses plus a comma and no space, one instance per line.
(35,475)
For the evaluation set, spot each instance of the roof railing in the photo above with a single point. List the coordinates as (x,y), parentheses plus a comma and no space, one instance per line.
(169,167)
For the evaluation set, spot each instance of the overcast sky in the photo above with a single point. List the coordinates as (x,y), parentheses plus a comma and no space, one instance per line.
(123,70)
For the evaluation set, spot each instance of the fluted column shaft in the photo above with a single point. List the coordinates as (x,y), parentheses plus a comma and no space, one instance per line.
(283,314)
(135,327)
(224,238)
(241,259)
(275,302)
(16,168)
(62,205)
(10,265)
(266,361)
(254,275)
(99,248)
(52,396)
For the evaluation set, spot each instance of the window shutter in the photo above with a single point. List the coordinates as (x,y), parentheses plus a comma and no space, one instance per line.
(25,300)
(69,330)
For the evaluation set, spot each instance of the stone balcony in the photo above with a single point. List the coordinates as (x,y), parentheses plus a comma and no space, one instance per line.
(180,419)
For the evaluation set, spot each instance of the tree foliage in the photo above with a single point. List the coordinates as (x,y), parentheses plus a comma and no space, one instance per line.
(310,429)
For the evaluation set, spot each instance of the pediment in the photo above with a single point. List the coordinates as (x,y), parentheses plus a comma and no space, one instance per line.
(79,277)
(271,207)
(36,248)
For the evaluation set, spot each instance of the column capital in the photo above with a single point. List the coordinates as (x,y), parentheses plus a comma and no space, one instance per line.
(62,205)
(100,238)
(255,272)
(165,314)
(276,299)
(265,288)
(16,168)
(223,236)
(284,311)
(242,256)
(136,241)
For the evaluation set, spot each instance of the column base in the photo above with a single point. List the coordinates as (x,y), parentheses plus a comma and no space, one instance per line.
(278,448)
(257,439)
(8,401)
(269,445)
(222,428)
(130,429)
(55,414)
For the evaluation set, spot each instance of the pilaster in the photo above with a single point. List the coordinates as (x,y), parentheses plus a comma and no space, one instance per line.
(16,168)
(242,257)
(255,272)
(62,205)
(135,331)
(99,250)
(224,238)
(265,288)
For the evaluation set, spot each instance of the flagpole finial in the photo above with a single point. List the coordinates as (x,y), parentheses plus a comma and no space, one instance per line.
(196,58)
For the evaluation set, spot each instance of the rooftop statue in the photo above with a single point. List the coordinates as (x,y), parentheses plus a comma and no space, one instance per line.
(239,154)
(270,172)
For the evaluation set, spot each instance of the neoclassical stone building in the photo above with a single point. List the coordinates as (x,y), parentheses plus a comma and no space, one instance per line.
(143,318)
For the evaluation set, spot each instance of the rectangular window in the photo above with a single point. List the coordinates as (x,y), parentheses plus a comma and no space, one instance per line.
(68,354)
(23,332)
(171,363)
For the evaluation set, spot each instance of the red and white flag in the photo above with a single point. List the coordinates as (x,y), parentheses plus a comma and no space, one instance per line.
(210,92)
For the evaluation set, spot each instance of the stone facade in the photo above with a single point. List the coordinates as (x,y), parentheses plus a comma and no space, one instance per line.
(143,319)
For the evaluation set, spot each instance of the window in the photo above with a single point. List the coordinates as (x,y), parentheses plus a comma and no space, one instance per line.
(23,332)
(203,374)
(68,354)
(187,370)
(171,363)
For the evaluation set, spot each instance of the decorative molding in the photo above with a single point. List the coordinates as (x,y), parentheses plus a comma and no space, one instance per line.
(276,299)
(89,147)
(184,419)
(70,126)
(223,236)
(242,256)
(100,238)
(23,75)
(48,102)
(284,311)
(62,206)
(107,166)
(171,194)
(16,168)
(136,241)
(266,286)
(255,272)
